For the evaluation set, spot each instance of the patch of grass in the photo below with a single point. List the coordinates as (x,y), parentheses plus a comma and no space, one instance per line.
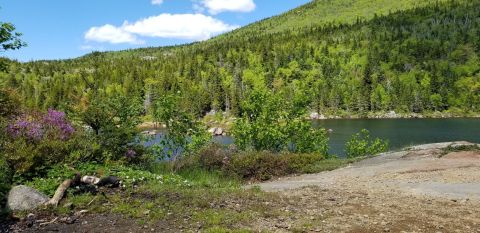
(193,198)
(460,148)
(329,165)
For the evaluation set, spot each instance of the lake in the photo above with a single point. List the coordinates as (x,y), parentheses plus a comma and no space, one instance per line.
(399,132)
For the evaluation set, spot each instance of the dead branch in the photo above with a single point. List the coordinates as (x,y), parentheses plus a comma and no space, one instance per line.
(60,193)
(110,181)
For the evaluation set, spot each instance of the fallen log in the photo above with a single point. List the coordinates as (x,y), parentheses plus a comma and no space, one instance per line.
(109,181)
(57,197)
(60,193)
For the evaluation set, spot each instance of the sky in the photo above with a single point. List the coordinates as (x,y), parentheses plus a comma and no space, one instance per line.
(58,29)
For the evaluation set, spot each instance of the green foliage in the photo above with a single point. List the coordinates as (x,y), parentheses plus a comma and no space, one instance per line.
(263,123)
(32,159)
(214,157)
(113,121)
(307,139)
(347,57)
(5,181)
(185,133)
(263,166)
(33,142)
(268,123)
(361,145)
(9,40)
(9,103)
(130,176)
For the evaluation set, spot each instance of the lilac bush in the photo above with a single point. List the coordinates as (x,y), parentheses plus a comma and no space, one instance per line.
(56,121)
(35,127)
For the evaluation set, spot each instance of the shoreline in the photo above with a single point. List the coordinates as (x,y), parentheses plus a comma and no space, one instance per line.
(390,115)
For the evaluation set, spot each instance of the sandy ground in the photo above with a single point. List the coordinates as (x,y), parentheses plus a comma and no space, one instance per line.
(421,189)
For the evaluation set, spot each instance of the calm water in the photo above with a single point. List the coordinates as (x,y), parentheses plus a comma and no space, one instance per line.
(399,132)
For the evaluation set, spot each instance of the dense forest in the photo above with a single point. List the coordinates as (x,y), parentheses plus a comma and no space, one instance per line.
(416,59)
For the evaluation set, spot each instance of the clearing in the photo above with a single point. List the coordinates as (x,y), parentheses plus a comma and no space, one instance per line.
(427,188)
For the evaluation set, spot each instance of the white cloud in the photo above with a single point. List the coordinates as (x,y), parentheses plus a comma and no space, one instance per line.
(157,2)
(174,26)
(111,34)
(218,6)
(179,26)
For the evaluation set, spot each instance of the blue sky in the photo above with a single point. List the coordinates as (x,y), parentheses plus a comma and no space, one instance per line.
(56,29)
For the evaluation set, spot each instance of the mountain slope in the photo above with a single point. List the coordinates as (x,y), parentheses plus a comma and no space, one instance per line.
(320,12)
(316,13)
(420,60)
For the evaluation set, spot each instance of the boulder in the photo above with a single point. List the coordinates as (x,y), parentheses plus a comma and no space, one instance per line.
(314,116)
(317,116)
(391,114)
(25,198)
(218,132)
(212,130)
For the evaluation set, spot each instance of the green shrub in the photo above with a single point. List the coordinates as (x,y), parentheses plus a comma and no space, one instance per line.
(266,165)
(9,103)
(186,135)
(113,124)
(306,139)
(29,159)
(214,157)
(5,182)
(268,123)
(361,145)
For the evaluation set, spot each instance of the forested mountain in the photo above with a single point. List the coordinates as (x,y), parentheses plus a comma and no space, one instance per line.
(337,57)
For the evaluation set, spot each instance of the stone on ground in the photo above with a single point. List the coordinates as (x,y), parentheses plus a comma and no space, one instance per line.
(25,198)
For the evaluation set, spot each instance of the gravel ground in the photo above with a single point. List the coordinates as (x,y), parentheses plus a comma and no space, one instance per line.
(420,189)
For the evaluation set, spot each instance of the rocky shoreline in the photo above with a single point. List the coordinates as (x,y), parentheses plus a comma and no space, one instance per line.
(391,115)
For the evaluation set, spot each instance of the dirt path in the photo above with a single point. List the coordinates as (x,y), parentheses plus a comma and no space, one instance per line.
(422,189)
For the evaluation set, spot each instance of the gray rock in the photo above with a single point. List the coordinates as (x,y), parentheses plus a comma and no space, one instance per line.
(391,114)
(217,131)
(317,116)
(25,198)
(442,145)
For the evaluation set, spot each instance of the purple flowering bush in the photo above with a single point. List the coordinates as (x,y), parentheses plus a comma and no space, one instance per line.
(35,127)
(35,141)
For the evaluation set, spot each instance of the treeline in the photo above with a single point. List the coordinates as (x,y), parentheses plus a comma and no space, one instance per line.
(420,60)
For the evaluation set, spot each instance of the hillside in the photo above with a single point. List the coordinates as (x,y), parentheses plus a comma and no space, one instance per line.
(321,12)
(336,57)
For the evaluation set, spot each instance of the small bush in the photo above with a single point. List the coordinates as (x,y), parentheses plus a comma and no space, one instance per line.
(34,142)
(214,157)
(361,145)
(266,165)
